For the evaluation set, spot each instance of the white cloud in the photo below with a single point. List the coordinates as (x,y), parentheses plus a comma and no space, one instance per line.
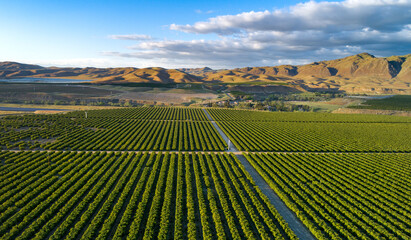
(327,16)
(224,53)
(305,32)
(135,37)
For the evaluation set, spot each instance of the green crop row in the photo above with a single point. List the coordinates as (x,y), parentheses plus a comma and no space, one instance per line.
(398,103)
(143,135)
(73,132)
(153,113)
(84,195)
(319,137)
(261,116)
(343,196)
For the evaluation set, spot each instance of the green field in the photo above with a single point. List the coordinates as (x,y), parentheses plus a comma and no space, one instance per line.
(398,102)
(116,129)
(319,136)
(343,196)
(167,173)
(262,116)
(314,132)
(134,196)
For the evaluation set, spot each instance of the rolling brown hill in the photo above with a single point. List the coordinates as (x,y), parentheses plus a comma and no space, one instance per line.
(199,72)
(15,66)
(99,75)
(361,73)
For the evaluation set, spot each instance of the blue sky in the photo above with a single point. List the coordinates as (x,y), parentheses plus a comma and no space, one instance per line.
(220,34)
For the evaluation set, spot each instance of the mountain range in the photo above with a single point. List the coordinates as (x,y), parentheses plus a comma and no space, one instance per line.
(361,73)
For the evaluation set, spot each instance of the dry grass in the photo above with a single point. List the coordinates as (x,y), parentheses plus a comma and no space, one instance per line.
(328,106)
(160,95)
(70,107)
(372,111)
(3,113)
(47,112)
(166,97)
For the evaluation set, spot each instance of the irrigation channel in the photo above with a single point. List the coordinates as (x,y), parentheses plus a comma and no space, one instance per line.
(289,216)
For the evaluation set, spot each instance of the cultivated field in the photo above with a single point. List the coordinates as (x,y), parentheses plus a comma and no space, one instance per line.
(116,129)
(112,195)
(11,92)
(314,132)
(170,173)
(343,196)
(398,103)
(86,93)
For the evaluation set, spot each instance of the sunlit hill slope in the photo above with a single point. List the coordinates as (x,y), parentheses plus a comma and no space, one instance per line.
(361,73)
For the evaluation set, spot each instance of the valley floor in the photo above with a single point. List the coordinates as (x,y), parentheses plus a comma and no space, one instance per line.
(191,173)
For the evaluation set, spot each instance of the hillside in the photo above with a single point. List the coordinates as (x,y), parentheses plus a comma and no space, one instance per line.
(199,72)
(145,75)
(99,75)
(361,73)
(15,66)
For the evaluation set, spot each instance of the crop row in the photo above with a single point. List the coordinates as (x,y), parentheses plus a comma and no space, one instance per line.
(343,196)
(142,135)
(260,116)
(153,113)
(397,102)
(145,129)
(34,130)
(134,196)
(319,137)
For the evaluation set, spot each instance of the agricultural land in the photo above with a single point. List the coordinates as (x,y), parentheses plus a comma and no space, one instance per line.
(204,173)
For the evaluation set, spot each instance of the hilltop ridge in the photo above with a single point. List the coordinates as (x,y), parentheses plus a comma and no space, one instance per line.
(360,73)
(350,67)
(15,66)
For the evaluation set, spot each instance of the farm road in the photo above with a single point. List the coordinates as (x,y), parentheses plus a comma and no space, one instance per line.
(231,147)
(293,222)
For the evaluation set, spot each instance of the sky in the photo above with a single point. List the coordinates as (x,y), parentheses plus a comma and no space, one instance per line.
(213,33)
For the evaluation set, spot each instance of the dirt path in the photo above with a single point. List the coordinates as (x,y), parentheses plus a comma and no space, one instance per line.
(231,147)
(289,216)
(229,96)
